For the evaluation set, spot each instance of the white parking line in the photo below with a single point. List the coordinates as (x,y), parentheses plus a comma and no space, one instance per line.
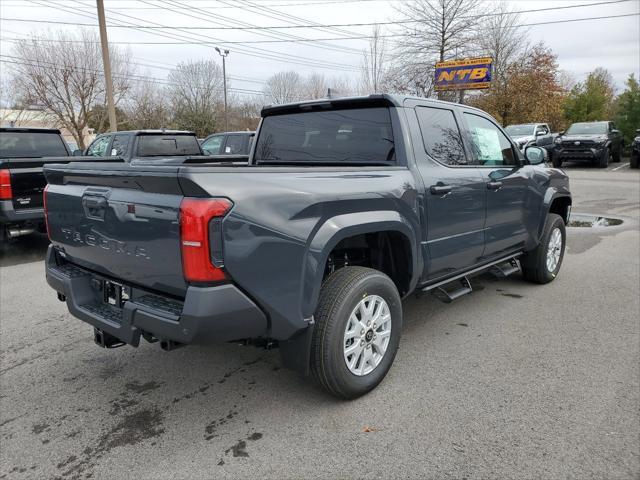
(621,166)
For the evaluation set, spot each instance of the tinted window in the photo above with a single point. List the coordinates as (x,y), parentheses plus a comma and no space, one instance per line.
(31,144)
(167,145)
(519,130)
(441,136)
(236,145)
(212,145)
(587,128)
(99,147)
(490,145)
(120,144)
(361,136)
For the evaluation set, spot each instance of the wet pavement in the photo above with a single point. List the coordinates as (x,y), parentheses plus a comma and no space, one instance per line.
(511,381)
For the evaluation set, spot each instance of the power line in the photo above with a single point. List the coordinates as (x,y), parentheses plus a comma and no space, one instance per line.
(315,26)
(361,37)
(138,78)
(287,58)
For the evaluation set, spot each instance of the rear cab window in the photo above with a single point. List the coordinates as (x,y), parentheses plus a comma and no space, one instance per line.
(354,136)
(24,144)
(441,135)
(167,145)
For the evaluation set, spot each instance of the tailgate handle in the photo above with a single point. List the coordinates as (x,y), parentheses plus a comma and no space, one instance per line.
(94,207)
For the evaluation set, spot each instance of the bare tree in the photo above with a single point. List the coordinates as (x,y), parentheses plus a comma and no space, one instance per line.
(500,40)
(315,86)
(374,63)
(437,30)
(284,87)
(64,75)
(244,113)
(196,92)
(147,106)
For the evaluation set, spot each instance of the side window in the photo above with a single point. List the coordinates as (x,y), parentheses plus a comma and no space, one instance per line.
(99,147)
(441,135)
(234,145)
(120,144)
(541,129)
(490,146)
(212,146)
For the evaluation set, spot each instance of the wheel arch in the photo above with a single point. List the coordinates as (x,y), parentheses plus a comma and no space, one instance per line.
(341,227)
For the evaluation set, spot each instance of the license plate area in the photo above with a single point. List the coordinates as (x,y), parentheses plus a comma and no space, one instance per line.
(115,294)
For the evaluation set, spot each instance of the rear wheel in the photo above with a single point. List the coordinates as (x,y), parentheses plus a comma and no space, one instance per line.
(543,264)
(604,158)
(357,331)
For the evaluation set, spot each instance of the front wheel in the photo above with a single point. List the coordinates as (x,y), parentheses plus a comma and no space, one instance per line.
(357,331)
(542,264)
(604,158)
(633,163)
(556,161)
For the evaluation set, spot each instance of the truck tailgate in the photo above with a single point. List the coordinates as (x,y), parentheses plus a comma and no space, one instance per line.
(112,219)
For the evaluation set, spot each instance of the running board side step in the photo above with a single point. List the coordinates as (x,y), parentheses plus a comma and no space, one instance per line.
(462,286)
(505,269)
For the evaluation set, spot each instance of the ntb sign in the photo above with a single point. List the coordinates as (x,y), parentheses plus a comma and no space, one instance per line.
(467,74)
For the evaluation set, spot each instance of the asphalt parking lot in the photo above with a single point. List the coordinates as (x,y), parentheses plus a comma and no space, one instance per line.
(512,381)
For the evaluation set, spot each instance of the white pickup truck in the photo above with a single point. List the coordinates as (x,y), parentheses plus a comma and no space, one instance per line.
(528,134)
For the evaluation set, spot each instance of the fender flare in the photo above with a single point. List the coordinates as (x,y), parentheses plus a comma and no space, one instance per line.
(337,228)
(551,195)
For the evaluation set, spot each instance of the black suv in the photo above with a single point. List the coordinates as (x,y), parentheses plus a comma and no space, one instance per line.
(635,150)
(595,142)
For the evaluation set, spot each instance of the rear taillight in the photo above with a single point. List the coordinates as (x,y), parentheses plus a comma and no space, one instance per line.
(5,185)
(46,212)
(195,216)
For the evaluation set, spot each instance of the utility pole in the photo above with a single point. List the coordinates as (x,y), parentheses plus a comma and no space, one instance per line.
(111,108)
(223,54)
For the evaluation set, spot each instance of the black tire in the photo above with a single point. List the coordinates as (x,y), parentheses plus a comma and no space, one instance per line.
(604,158)
(557,162)
(534,263)
(340,294)
(618,156)
(633,163)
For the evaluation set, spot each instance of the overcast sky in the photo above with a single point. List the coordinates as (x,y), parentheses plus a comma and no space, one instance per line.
(581,46)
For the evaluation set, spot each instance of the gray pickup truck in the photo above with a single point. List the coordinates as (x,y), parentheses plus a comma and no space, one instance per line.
(346,206)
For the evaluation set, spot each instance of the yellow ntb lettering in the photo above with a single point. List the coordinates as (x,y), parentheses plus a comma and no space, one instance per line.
(446,76)
(478,73)
(463,73)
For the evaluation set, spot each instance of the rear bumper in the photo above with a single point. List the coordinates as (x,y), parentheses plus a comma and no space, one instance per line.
(206,315)
(9,215)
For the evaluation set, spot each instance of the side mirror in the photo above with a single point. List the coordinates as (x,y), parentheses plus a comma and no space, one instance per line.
(539,134)
(561,133)
(638,130)
(78,153)
(535,155)
(615,131)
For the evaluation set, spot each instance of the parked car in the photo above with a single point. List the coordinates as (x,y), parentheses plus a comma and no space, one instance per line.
(595,142)
(229,143)
(144,144)
(635,150)
(538,134)
(23,151)
(352,204)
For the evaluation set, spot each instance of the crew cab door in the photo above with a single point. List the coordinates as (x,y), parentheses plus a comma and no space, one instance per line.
(506,186)
(454,192)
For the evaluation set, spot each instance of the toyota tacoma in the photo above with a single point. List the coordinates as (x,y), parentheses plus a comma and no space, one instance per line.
(346,207)
(596,142)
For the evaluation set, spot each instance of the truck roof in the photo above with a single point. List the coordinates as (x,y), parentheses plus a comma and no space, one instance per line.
(30,130)
(155,131)
(382,99)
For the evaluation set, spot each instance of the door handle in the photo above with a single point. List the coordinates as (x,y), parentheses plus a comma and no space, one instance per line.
(494,185)
(440,189)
